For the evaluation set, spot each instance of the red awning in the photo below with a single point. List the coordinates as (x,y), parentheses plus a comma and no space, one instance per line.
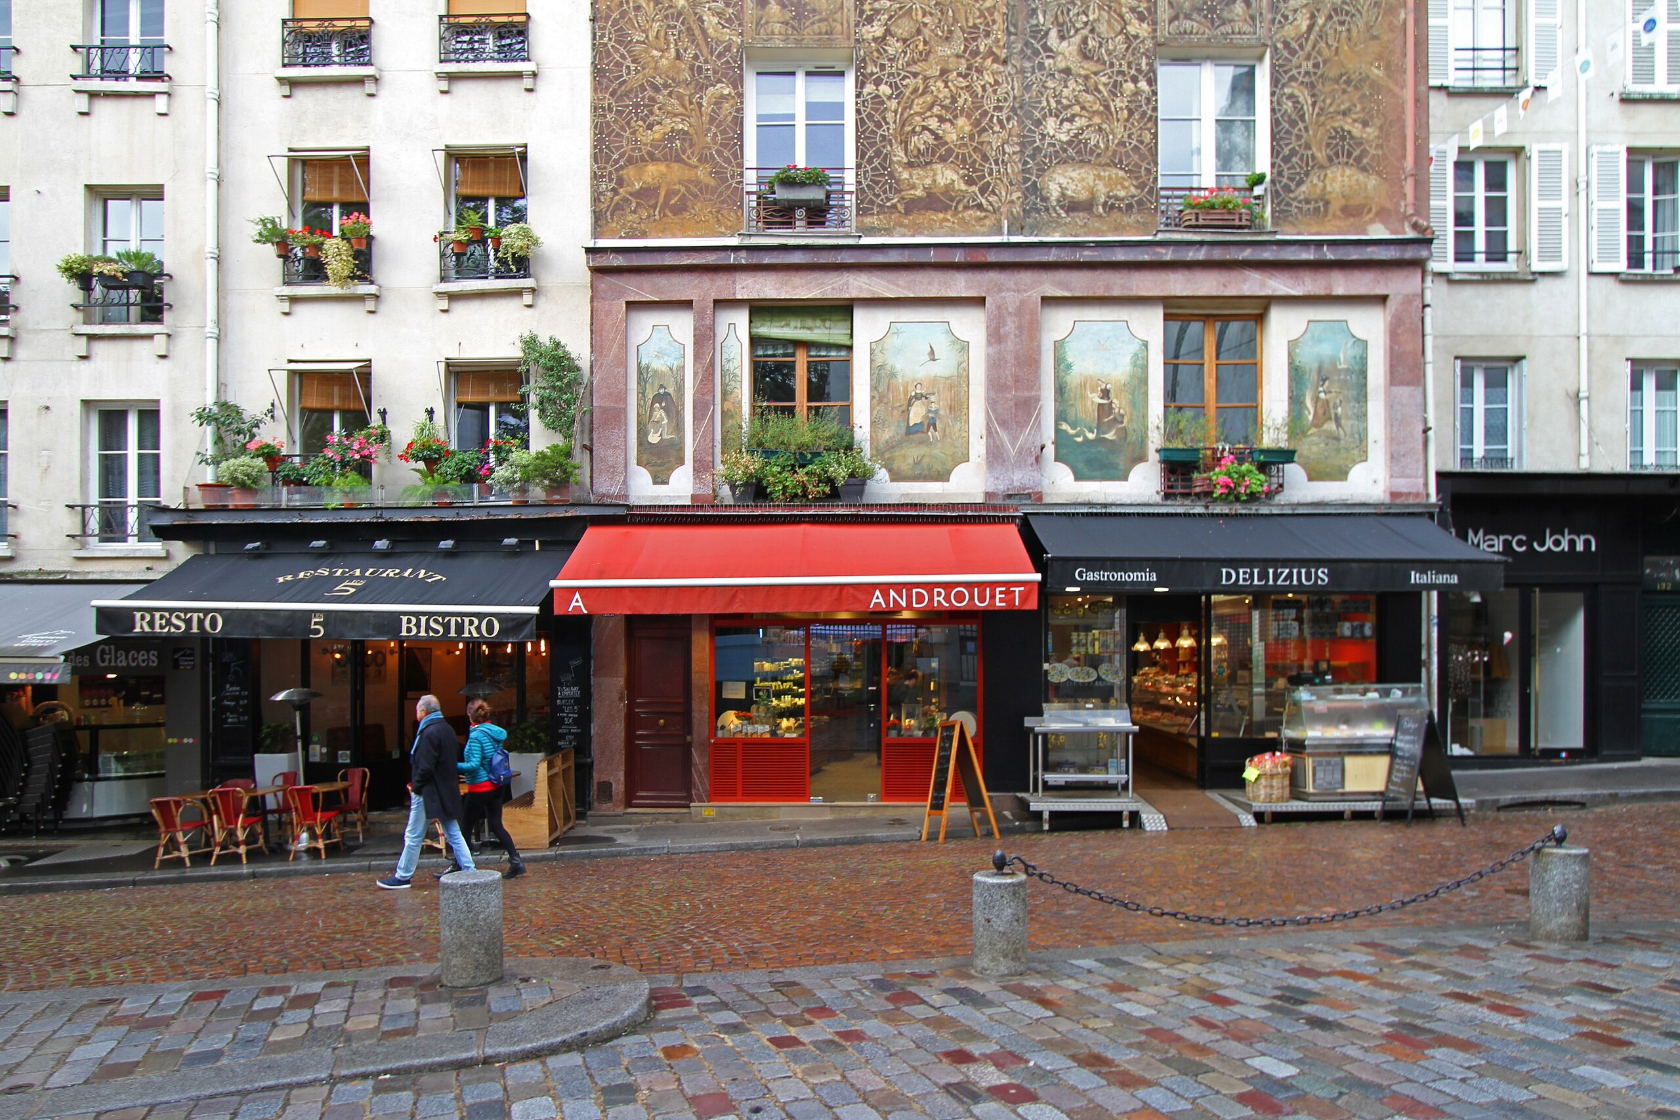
(803,568)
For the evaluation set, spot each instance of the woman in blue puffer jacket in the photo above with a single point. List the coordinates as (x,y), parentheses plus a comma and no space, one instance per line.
(484,797)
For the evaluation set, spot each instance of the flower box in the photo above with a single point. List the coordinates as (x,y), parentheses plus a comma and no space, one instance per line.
(1181,455)
(800,194)
(1273,456)
(1242,218)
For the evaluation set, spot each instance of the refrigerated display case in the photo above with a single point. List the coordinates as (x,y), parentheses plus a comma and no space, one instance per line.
(1340,737)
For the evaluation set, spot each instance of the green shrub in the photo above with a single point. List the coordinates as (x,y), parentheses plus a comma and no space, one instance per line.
(780,431)
(551,466)
(246,472)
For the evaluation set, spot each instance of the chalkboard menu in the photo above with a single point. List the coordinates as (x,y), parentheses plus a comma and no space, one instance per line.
(232,704)
(944,750)
(1406,757)
(569,683)
(955,760)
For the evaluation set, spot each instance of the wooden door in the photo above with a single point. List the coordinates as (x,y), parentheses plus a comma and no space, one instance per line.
(659,736)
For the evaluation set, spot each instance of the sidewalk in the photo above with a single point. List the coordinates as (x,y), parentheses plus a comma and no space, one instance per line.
(1591,783)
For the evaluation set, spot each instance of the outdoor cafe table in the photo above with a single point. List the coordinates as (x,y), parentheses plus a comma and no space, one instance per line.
(201,798)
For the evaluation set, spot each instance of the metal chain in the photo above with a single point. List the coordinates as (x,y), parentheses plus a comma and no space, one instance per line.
(1556,836)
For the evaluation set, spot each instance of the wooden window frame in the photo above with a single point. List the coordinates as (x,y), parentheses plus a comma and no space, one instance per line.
(801,404)
(1210,364)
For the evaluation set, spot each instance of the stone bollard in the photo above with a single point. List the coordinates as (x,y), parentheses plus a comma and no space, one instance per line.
(470,928)
(1000,921)
(1559,900)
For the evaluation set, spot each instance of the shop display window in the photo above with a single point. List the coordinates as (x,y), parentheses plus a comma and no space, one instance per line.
(1483,662)
(1086,655)
(932,674)
(758,682)
(1261,646)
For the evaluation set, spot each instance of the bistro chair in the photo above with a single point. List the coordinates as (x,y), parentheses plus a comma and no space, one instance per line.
(236,830)
(174,827)
(354,808)
(309,819)
(240,783)
(285,779)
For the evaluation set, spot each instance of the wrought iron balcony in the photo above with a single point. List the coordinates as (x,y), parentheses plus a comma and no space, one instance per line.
(1484,66)
(300,268)
(1248,212)
(6,304)
(326,42)
(479,262)
(121,62)
(118,521)
(113,301)
(799,209)
(484,38)
(1184,470)
(1486,463)
(6,509)
(7,53)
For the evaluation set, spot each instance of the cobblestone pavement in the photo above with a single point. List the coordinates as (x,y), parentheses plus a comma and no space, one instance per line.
(1435,1023)
(74,1041)
(791,908)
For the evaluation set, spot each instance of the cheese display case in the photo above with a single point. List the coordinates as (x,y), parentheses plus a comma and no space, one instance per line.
(1339,737)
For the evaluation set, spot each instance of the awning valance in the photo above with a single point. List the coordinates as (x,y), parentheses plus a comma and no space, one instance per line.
(1259,552)
(796,568)
(44,621)
(429,595)
(831,326)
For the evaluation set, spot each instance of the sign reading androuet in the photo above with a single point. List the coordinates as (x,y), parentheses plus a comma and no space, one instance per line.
(1262,575)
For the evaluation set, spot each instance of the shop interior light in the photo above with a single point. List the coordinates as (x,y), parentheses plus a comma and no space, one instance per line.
(110,676)
(510,647)
(1186,640)
(1162,642)
(542,646)
(1218,638)
(1163,589)
(1142,644)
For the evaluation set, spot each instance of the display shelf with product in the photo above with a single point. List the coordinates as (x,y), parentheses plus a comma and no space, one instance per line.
(1339,737)
(1081,760)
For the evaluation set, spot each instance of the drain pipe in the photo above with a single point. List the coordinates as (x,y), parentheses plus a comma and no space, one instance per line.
(1583,314)
(1432,603)
(212,209)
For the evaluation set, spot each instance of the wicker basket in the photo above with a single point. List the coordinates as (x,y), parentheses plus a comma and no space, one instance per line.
(1271,785)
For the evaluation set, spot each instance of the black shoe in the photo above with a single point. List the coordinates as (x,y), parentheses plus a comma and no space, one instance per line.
(450,870)
(515,871)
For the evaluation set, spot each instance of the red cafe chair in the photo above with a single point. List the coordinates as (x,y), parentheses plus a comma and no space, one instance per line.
(174,827)
(285,779)
(310,820)
(354,808)
(235,829)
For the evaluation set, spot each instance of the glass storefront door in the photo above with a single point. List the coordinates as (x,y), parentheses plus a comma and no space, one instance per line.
(1514,664)
(1560,671)
(846,712)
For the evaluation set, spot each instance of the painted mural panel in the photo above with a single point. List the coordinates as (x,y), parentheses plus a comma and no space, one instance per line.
(730,404)
(918,398)
(1338,90)
(1211,21)
(1088,135)
(799,23)
(937,126)
(1101,373)
(667,130)
(660,378)
(1328,401)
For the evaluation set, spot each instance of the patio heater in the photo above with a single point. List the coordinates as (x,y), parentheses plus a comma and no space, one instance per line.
(299,699)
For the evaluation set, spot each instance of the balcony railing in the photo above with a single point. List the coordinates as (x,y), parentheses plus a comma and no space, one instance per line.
(303,269)
(484,38)
(824,210)
(1665,461)
(111,303)
(348,497)
(6,304)
(116,521)
(7,53)
(1484,66)
(1486,463)
(479,262)
(121,62)
(6,509)
(1250,213)
(326,42)
(1183,470)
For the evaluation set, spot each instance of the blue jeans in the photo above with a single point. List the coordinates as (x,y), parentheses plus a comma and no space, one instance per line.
(415,835)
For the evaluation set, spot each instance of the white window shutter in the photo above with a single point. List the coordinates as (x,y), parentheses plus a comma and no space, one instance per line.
(1516,416)
(1549,207)
(1440,207)
(1606,175)
(1671,47)
(1642,61)
(1544,22)
(1440,42)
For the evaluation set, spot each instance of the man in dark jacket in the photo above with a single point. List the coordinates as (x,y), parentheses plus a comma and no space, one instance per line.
(432,793)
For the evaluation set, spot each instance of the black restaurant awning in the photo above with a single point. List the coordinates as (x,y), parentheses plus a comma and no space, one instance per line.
(1259,552)
(425,595)
(41,622)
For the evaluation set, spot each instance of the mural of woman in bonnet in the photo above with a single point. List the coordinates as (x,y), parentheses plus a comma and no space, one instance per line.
(916,410)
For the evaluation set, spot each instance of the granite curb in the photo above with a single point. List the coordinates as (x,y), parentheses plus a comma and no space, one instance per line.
(613,999)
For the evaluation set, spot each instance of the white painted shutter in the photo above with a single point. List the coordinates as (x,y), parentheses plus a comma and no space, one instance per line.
(1544,22)
(1549,207)
(1606,174)
(1642,61)
(1440,42)
(1440,208)
(1671,46)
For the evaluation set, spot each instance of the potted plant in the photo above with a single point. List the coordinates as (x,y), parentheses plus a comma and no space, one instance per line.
(136,270)
(81,268)
(228,428)
(1182,434)
(1232,481)
(1274,449)
(742,470)
(291,474)
(339,261)
(309,239)
(426,447)
(518,242)
(271,451)
(781,435)
(848,470)
(271,231)
(799,186)
(245,474)
(358,227)
(471,219)
(460,468)
(1219,208)
(552,468)
(493,237)
(508,476)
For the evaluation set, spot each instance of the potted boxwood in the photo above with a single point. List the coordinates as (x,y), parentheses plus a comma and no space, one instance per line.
(799,186)
(358,227)
(508,476)
(271,231)
(245,475)
(81,268)
(552,468)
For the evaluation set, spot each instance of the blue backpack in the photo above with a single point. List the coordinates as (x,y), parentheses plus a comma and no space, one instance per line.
(500,769)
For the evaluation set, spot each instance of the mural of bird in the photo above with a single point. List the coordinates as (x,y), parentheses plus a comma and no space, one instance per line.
(933,355)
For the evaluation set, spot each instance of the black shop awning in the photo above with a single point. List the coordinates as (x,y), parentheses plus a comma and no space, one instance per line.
(424,595)
(41,622)
(1259,552)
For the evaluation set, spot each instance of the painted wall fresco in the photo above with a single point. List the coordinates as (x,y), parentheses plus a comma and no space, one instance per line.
(730,403)
(667,128)
(660,393)
(918,399)
(938,150)
(1088,118)
(1101,376)
(799,23)
(1328,376)
(1227,21)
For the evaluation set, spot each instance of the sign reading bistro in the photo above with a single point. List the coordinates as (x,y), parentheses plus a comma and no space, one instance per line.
(287,621)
